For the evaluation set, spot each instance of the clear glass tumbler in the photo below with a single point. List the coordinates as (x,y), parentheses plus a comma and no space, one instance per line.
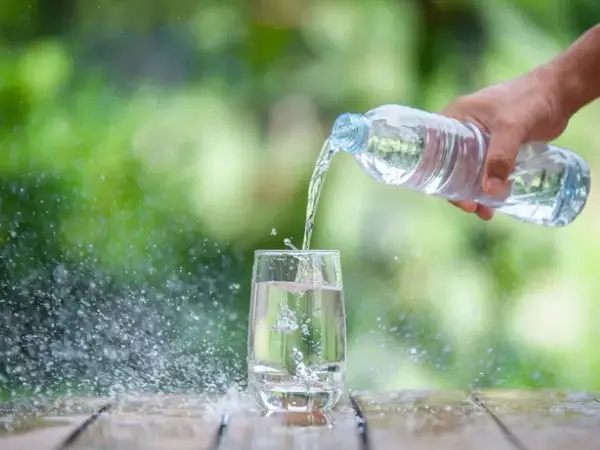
(297,330)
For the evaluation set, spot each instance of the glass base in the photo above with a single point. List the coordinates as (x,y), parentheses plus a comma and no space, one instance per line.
(288,398)
(303,419)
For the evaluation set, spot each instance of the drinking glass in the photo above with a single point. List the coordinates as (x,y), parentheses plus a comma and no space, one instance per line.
(297,330)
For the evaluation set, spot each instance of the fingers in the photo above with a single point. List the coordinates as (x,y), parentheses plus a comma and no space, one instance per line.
(507,135)
(466,205)
(471,207)
(500,161)
(484,212)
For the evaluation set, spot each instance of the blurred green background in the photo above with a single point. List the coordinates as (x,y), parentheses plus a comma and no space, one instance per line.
(148,148)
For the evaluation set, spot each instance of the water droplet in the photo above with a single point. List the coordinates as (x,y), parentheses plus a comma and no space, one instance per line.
(288,243)
(60,274)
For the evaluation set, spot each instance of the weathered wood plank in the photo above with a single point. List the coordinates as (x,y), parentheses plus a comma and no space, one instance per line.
(412,420)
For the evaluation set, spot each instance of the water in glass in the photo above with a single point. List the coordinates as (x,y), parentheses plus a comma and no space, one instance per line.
(297,333)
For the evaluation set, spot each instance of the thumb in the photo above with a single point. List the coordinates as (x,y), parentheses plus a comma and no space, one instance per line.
(500,160)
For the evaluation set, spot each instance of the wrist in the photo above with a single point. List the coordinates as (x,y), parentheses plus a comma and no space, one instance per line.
(574,76)
(567,88)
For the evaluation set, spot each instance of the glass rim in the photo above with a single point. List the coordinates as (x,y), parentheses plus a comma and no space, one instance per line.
(284,252)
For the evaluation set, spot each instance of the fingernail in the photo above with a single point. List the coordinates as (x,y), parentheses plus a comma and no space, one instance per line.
(494,186)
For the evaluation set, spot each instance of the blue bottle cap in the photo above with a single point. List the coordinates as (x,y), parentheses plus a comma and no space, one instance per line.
(349,132)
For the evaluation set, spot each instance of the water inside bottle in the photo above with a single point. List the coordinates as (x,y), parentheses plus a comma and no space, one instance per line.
(549,186)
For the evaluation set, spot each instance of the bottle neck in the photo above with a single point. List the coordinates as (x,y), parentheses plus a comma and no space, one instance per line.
(350,133)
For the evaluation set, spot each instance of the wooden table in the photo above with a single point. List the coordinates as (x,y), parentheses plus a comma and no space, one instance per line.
(432,420)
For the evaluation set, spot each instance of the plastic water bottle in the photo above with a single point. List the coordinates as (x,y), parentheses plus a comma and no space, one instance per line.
(440,156)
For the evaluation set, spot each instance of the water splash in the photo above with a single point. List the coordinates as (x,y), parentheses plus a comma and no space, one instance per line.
(304,373)
(286,321)
(288,243)
(72,329)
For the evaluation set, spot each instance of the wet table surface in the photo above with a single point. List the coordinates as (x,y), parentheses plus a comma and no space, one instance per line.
(503,420)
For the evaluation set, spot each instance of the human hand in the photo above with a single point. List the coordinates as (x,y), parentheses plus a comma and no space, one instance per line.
(525,109)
